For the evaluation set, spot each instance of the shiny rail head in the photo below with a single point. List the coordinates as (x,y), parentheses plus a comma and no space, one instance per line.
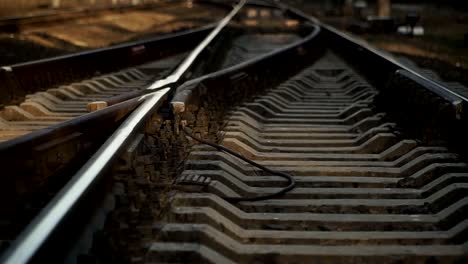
(37,232)
(31,239)
(190,59)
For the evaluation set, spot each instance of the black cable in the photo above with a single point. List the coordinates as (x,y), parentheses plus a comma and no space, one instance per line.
(289,178)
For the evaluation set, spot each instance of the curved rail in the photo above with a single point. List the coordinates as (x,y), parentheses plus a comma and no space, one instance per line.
(18,80)
(177,74)
(188,61)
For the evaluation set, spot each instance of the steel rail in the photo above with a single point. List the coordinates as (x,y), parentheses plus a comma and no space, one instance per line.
(445,91)
(18,80)
(182,68)
(188,61)
(439,89)
(41,227)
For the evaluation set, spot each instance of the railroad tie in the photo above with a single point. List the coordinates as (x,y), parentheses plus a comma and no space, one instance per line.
(46,108)
(364,193)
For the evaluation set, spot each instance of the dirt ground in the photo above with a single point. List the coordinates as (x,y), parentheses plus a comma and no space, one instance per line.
(443,48)
(101,30)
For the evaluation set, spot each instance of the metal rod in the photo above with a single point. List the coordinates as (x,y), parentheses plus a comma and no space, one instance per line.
(188,61)
(31,239)
(378,53)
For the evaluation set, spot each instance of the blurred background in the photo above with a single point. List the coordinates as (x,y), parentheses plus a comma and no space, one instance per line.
(433,33)
(9,8)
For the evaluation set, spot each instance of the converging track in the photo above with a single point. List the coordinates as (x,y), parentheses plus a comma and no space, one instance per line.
(342,155)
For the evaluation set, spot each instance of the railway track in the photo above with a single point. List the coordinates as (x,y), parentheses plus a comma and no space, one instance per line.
(376,153)
(363,192)
(54,105)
